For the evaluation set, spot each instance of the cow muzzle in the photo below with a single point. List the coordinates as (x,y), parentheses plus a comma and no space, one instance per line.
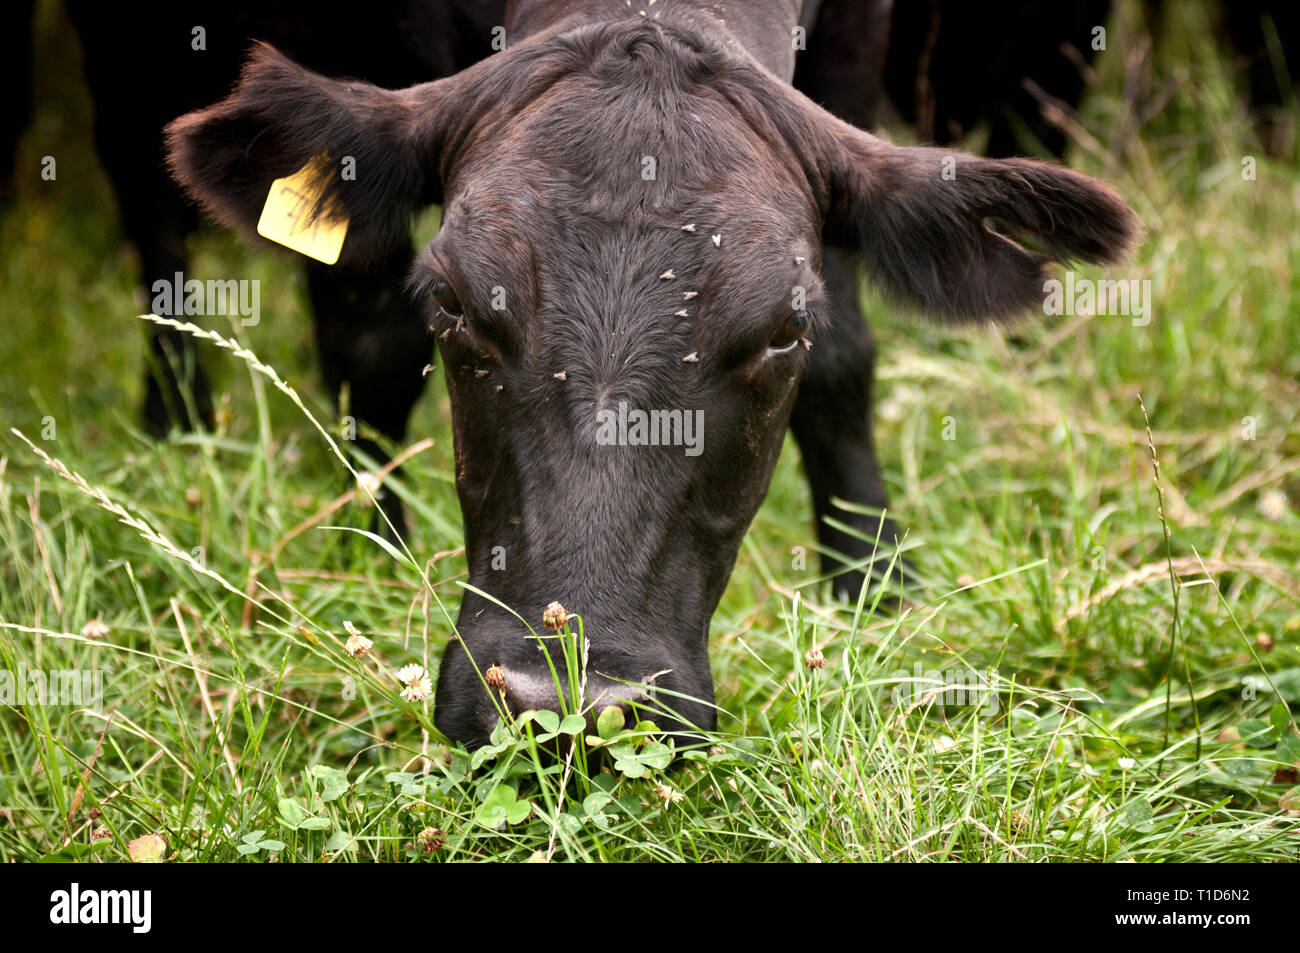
(523,690)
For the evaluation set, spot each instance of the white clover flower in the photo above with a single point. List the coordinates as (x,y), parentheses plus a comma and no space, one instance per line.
(667,794)
(1272,505)
(416,680)
(418,690)
(94,629)
(147,849)
(369,487)
(1127,764)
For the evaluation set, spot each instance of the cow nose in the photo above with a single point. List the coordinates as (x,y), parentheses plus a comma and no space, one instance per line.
(526,690)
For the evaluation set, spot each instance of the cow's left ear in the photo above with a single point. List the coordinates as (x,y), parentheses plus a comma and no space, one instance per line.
(967,238)
(382,148)
(952,235)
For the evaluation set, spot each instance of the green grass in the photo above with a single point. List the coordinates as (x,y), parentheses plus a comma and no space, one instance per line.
(1137,694)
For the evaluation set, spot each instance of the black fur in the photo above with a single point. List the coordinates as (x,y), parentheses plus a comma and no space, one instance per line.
(283,115)
(926,238)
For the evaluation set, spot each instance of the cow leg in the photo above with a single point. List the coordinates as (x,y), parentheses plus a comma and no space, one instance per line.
(157,220)
(131,108)
(177,392)
(832,423)
(373,338)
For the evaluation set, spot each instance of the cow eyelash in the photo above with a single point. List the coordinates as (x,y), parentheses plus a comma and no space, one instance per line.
(445,298)
(791,332)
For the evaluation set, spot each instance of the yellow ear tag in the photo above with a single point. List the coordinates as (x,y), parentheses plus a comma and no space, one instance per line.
(286,215)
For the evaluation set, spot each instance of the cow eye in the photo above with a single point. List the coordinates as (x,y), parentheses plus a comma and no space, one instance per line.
(445,298)
(791,331)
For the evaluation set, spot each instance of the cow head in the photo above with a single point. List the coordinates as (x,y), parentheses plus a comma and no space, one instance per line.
(633,222)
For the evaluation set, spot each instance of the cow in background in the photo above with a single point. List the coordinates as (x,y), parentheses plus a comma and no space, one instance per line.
(145,65)
(953,66)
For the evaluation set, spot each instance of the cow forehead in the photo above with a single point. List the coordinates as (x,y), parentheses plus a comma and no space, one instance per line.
(616,141)
(706,233)
(551,265)
(532,212)
(619,315)
(626,191)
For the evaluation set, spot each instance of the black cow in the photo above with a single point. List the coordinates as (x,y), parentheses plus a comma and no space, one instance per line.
(953,65)
(639,212)
(146,66)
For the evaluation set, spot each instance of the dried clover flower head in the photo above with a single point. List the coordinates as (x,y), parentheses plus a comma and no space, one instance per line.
(555,617)
(431,839)
(357,644)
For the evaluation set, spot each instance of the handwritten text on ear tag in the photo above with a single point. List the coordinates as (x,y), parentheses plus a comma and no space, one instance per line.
(286,216)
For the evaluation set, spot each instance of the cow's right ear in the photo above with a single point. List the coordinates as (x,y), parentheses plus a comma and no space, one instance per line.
(281,115)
